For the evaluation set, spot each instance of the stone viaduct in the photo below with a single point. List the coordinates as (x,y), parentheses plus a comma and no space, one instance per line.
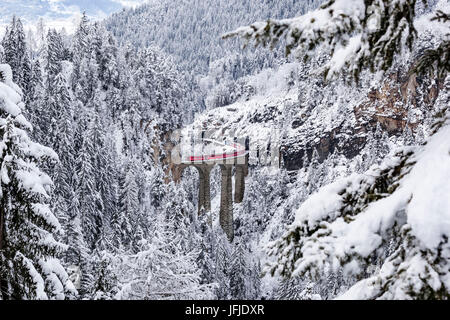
(226,196)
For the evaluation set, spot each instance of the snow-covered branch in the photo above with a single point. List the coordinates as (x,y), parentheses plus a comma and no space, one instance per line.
(357,34)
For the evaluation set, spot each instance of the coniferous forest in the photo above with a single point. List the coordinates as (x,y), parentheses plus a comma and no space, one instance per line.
(341,109)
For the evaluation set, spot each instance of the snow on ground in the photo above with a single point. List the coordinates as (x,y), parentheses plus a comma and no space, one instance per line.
(424,23)
(429,187)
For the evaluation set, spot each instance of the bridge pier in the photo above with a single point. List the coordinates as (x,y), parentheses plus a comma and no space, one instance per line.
(226,201)
(239,186)
(246,166)
(226,194)
(204,191)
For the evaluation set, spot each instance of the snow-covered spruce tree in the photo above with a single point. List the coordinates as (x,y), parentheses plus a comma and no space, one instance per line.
(36,94)
(105,173)
(29,265)
(161,270)
(65,202)
(222,265)
(53,55)
(177,207)
(160,86)
(241,279)
(315,172)
(107,53)
(80,48)
(289,289)
(402,204)
(129,207)
(205,260)
(105,283)
(357,34)
(17,56)
(88,196)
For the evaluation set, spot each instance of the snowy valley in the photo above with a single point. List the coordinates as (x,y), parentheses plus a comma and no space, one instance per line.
(347,176)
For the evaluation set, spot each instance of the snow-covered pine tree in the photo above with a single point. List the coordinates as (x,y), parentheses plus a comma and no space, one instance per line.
(105,283)
(289,289)
(239,273)
(177,207)
(315,172)
(205,259)
(2,55)
(161,270)
(129,207)
(65,201)
(222,265)
(16,55)
(103,158)
(89,198)
(160,86)
(29,265)
(156,188)
(36,97)
(407,136)
(78,254)
(53,55)
(106,54)
(80,47)
(381,142)
(420,136)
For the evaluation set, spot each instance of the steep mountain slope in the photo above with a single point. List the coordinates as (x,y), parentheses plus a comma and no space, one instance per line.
(62,13)
(31,10)
(191,30)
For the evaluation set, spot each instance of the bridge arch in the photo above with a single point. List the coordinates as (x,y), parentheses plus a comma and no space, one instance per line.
(234,155)
(226,193)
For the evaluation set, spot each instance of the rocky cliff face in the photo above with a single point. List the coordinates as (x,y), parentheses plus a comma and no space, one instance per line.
(401,101)
(391,105)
